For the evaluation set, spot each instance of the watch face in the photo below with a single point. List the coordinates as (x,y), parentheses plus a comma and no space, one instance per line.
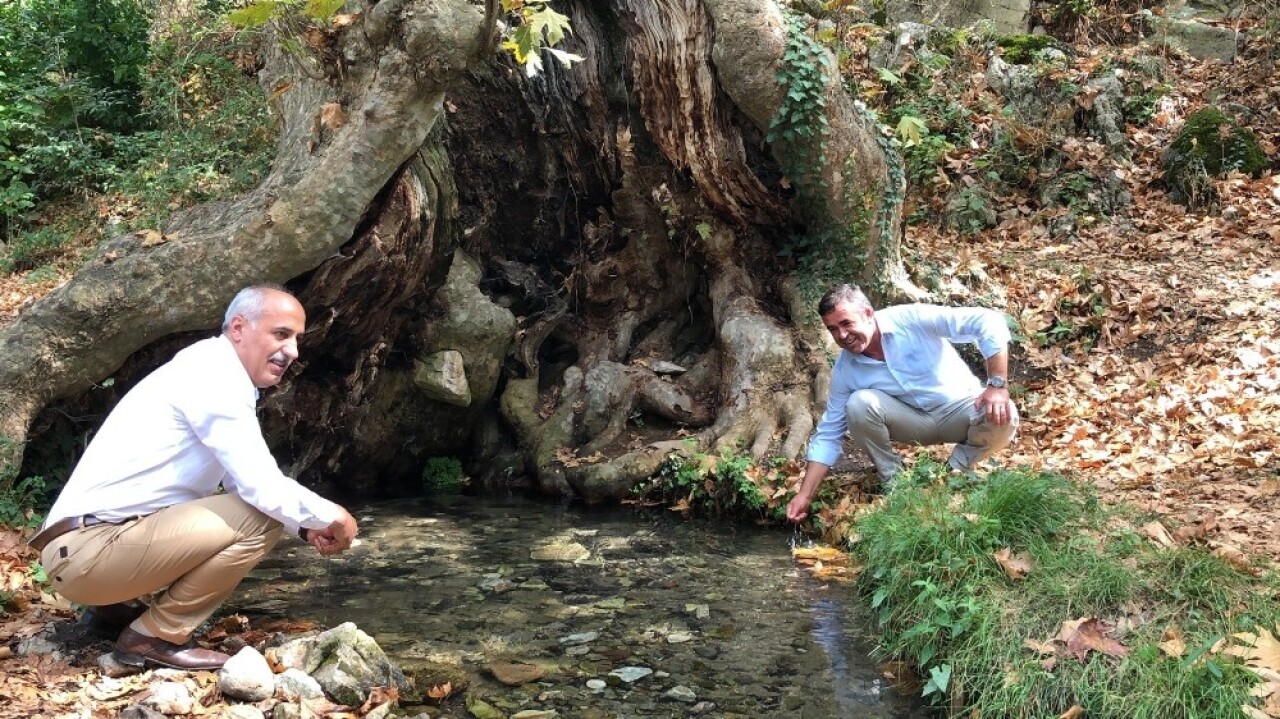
(997,382)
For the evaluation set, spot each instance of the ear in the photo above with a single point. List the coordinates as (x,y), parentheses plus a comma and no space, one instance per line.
(236,328)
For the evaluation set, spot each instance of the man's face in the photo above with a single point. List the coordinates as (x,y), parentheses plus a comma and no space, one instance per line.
(268,345)
(851,328)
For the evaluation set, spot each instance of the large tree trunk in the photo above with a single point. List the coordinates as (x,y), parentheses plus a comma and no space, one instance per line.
(618,285)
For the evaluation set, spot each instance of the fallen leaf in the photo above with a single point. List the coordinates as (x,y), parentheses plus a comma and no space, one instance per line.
(1257,650)
(1173,645)
(440,691)
(1158,534)
(1089,634)
(1039,647)
(377,697)
(1015,566)
(151,238)
(332,116)
(1074,712)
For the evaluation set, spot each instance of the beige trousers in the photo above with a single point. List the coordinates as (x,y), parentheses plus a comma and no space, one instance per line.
(196,552)
(876,420)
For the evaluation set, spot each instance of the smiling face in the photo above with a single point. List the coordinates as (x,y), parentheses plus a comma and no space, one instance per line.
(853,328)
(268,343)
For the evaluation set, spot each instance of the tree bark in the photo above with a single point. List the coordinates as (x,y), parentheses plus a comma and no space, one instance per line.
(618,297)
(340,144)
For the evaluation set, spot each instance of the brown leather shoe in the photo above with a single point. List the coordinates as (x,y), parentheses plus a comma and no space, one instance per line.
(107,621)
(139,650)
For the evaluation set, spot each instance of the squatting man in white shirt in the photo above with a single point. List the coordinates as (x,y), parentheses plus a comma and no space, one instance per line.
(141,515)
(899,378)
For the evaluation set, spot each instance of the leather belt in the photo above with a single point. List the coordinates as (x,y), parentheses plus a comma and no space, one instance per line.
(62,526)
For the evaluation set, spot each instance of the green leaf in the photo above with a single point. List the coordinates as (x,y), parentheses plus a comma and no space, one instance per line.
(911,129)
(888,76)
(520,44)
(704,231)
(322,9)
(939,678)
(255,14)
(555,25)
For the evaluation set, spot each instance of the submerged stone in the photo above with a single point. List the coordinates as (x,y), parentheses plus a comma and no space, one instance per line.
(631,674)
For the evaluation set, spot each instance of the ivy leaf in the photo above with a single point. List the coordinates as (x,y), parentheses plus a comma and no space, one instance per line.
(911,129)
(939,678)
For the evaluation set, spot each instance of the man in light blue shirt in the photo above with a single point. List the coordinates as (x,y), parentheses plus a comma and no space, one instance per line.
(899,379)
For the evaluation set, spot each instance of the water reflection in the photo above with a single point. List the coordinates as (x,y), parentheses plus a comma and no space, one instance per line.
(727,624)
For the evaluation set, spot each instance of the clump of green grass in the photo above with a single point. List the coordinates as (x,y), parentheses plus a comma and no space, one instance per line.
(985,644)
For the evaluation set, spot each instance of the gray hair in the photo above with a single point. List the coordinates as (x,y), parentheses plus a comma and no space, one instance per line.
(248,303)
(851,294)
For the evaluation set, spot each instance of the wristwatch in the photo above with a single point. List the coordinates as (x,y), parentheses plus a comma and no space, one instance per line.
(996,381)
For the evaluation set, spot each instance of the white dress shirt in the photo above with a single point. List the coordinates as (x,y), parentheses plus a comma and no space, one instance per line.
(183,430)
(921,366)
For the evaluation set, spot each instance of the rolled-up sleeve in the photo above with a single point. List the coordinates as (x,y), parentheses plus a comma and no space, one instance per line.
(985,327)
(827,442)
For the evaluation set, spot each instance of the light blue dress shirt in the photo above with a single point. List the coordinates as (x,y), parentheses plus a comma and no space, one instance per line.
(921,366)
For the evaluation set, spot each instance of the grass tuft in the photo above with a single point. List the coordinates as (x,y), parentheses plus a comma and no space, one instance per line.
(988,645)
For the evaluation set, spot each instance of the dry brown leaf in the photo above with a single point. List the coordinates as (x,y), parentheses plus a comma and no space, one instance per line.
(332,116)
(1158,534)
(1015,566)
(1257,650)
(1236,558)
(1040,647)
(1173,644)
(1089,634)
(440,692)
(151,238)
(1074,712)
(377,697)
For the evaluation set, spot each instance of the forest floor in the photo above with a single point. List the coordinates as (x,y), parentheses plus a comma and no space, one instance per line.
(1165,392)
(1157,380)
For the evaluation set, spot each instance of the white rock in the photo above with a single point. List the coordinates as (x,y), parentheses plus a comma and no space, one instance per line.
(581,638)
(247,677)
(241,711)
(169,698)
(295,684)
(631,674)
(680,694)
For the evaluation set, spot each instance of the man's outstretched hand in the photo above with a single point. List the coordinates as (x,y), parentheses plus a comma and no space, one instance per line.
(336,537)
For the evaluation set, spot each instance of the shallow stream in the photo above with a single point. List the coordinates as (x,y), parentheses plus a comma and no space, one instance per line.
(631,614)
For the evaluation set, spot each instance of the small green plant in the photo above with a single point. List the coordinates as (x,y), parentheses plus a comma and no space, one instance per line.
(799,128)
(32,248)
(1078,316)
(21,502)
(1140,102)
(1209,145)
(1023,49)
(443,475)
(730,484)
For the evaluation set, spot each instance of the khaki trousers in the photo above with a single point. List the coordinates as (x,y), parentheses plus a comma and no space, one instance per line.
(196,552)
(876,420)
